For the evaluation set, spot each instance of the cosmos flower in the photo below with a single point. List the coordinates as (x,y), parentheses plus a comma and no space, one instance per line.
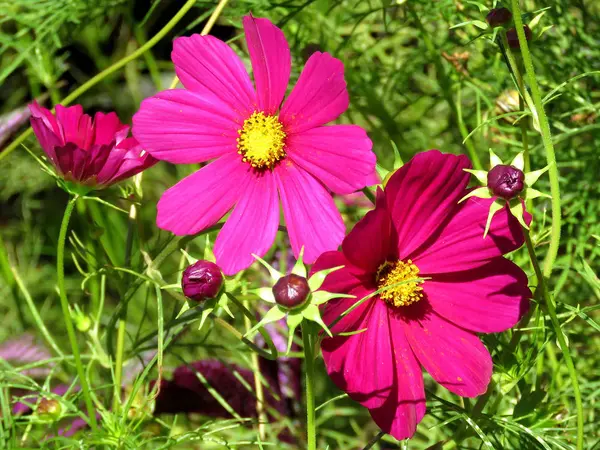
(91,152)
(263,150)
(439,284)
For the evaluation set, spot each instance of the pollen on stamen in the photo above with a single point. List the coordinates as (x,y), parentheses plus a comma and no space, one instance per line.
(392,273)
(262,141)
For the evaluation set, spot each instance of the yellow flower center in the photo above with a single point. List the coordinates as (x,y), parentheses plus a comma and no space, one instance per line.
(390,274)
(262,140)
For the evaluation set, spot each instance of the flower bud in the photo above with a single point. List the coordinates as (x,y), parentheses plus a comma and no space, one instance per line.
(49,409)
(506,181)
(498,16)
(291,291)
(513,38)
(202,280)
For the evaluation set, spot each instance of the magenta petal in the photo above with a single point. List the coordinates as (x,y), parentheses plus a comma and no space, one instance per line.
(454,357)
(319,96)
(251,227)
(372,241)
(421,195)
(109,128)
(335,314)
(311,216)
(489,299)
(460,245)
(183,127)
(341,281)
(201,199)
(339,156)
(46,137)
(362,364)
(76,126)
(271,62)
(405,408)
(210,68)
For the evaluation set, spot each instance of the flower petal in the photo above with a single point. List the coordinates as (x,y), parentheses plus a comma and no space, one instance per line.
(201,199)
(183,127)
(489,299)
(339,156)
(75,125)
(109,128)
(459,244)
(311,216)
(319,96)
(422,194)
(271,62)
(210,68)
(362,364)
(372,241)
(455,358)
(405,408)
(251,227)
(341,281)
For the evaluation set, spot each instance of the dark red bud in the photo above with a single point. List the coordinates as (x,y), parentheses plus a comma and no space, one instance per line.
(506,181)
(202,280)
(291,291)
(513,39)
(498,16)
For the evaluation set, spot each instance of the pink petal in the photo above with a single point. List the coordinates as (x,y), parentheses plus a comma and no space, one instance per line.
(332,311)
(210,68)
(319,96)
(46,117)
(339,156)
(341,281)
(271,62)
(489,299)
(109,128)
(372,241)
(201,199)
(183,127)
(422,194)
(252,226)
(460,245)
(47,138)
(311,216)
(362,364)
(405,408)
(76,126)
(124,161)
(455,358)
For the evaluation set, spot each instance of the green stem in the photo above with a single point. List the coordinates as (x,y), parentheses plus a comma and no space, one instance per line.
(562,342)
(546,139)
(106,72)
(64,303)
(309,362)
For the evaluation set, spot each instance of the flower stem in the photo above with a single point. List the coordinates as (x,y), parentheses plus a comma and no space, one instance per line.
(309,362)
(109,70)
(559,336)
(64,303)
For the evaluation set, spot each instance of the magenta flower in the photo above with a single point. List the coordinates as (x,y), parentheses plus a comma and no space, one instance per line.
(92,152)
(263,151)
(418,230)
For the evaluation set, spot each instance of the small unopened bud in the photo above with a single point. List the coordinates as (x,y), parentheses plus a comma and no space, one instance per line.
(513,38)
(506,181)
(48,409)
(498,16)
(291,291)
(202,280)
(83,322)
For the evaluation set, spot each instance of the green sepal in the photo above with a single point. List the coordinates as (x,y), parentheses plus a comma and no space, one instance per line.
(494,161)
(190,259)
(293,320)
(481,192)
(275,274)
(317,279)
(74,188)
(516,209)
(208,252)
(382,171)
(273,315)
(320,297)
(299,268)
(223,302)
(532,177)
(494,208)
(531,193)
(185,307)
(209,306)
(518,162)
(311,312)
(481,175)
(264,293)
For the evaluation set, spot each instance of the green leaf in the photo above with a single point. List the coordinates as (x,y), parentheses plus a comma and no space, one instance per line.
(481,175)
(299,268)
(532,177)
(494,208)
(317,279)
(320,297)
(481,192)
(311,312)
(275,274)
(293,320)
(272,315)
(516,209)
(518,161)
(494,160)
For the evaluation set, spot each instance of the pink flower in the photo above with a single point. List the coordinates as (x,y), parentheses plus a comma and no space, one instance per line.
(263,152)
(418,229)
(94,153)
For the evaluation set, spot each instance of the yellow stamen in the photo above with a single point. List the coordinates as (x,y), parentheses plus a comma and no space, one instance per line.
(390,273)
(262,140)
